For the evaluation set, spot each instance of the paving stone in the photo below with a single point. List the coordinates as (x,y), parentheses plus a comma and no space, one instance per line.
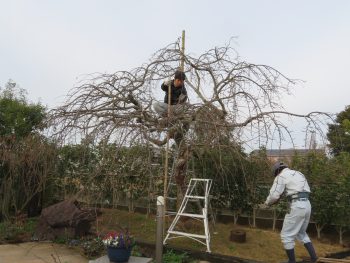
(39,252)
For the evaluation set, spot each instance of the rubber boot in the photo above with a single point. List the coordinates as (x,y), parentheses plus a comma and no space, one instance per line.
(310,248)
(290,255)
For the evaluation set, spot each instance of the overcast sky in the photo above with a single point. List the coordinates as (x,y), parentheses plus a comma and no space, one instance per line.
(46,46)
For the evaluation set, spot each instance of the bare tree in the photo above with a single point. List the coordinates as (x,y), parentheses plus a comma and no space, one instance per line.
(26,166)
(231,101)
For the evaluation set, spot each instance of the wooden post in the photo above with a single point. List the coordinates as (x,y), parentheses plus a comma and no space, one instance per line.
(160,229)
(182,68)
(182,65)
(167,150)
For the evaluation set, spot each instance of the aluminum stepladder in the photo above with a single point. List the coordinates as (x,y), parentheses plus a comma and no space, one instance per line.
(193,184)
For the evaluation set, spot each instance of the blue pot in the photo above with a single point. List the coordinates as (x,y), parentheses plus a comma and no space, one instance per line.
(119,255)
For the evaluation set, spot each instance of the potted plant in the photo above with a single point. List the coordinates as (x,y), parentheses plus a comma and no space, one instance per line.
(119,245)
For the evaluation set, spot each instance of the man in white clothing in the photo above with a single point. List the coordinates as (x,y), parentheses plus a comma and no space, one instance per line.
(294,185)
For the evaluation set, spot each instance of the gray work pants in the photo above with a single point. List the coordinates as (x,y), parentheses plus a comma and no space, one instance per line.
(295,224)
(162,108)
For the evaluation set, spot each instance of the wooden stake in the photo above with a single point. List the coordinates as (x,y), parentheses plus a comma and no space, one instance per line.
(167,150)
(182,65)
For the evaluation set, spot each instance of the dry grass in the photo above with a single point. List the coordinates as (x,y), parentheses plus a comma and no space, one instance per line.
(262,245)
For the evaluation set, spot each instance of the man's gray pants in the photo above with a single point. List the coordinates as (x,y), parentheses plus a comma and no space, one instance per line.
(295,224)
(162,108)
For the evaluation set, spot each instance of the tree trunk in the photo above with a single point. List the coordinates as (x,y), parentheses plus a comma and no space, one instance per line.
(148,204)
(254,217)
(180,170)
(6,198)
(131,202)
(114,198)
(341,235)
(318,233)
(319,229)
(34,205)
(235,217)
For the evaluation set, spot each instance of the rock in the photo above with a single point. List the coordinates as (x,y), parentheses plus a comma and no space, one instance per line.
(64,220)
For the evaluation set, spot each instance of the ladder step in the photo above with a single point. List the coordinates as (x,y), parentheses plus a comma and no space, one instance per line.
(195,196)
(171,213)
(192,215)
(171,198)
(201,180)
(187,234)
(193,200)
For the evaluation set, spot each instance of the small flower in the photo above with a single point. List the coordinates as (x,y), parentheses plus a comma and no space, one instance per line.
(119,240)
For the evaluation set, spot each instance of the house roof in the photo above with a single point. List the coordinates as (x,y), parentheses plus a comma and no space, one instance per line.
(290,152)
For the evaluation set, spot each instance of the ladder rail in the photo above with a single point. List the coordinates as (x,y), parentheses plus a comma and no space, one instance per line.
(193,238)
(192,185)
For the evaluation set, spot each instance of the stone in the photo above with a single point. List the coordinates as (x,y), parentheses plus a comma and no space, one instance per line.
(64,220)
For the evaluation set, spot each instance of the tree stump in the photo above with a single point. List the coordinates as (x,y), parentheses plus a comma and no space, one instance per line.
(238,235)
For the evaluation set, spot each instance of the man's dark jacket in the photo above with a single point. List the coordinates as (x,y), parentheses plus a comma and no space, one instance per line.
(175,93)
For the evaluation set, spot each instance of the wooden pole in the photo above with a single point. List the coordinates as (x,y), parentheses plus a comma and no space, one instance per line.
(167,150)
(182,65)
(160,229)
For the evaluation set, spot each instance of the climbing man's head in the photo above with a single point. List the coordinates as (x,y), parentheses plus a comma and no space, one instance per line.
(180,75)
(179,78)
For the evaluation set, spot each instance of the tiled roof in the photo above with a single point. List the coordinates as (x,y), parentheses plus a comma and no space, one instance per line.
(289,152)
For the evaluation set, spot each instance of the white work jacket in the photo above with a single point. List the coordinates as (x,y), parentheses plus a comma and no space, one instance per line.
(289,182)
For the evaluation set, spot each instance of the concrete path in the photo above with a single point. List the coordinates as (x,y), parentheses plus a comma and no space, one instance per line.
(39,252)
(48,252)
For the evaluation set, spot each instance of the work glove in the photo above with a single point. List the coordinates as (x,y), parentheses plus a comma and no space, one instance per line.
(167,82)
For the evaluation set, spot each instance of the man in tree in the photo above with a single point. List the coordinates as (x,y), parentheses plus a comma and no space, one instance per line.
(296,188)
(178,95)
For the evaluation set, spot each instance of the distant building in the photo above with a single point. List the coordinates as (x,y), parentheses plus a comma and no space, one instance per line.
(286,155)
